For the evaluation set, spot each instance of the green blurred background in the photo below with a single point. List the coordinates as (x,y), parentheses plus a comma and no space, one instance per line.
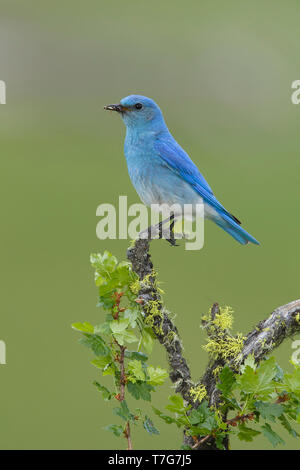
(222,73)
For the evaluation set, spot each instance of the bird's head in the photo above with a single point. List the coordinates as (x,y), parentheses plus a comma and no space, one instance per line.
(138,111)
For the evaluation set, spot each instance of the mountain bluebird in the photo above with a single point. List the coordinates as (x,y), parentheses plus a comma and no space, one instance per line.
(161,171)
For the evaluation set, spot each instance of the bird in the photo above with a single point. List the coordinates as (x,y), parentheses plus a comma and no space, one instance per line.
(161,171)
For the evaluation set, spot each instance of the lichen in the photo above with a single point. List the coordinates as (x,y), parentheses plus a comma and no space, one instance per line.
(224,319)
(135,287)
(198,392)
(217,370)
(225,347)
(153,311)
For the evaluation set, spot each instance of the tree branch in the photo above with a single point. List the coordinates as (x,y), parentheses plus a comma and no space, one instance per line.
(283,323)
(162,326)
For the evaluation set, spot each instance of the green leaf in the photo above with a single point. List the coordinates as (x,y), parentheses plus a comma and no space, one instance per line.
(194,417)
(85,327)
(116,429)
(149,426)
(103,329)
(136,372)
(95,343)
(227,381)
(104,263)
(118,326)
(286,424)
(106,395)
(106,364)
(125,274)
(271,435)
(177,405)
(249,361)
(132,315)
(269,411)
(292,381)
(247,434)
(123,411)
(120,333)
(156,375)
(140,390)
(259,381)
(167,419)
(147,340)
(129,337)
(145,391)
(102,361)
(134,390)
(204,411)
(136,355)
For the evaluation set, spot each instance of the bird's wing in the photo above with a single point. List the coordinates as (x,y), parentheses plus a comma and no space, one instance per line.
(179,162)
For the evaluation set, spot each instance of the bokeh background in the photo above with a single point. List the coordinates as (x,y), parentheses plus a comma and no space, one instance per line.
(222,73)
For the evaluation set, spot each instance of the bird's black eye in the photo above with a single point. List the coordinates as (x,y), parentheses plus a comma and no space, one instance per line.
(138,106)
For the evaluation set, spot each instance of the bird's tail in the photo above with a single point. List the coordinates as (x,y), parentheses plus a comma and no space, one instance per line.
(227,223)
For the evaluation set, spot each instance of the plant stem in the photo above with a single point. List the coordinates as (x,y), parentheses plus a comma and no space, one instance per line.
(122,393)
(128,436)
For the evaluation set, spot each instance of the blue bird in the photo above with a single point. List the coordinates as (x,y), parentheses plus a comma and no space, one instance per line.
(161,171)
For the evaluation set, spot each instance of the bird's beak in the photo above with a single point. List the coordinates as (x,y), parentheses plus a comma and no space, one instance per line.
(115,107)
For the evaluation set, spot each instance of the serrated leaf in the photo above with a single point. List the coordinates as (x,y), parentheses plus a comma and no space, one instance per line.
(145,391)
(271,435)
(167,419)
(177,405)
(140,390)
(103,329)
(106,394)
(147,340)
(123,411)
(249,361)
(119,326)
(116,429)
(269,411)
(157,375)
(95,343)
(136,355)
(102,361)
(135,369)
(292,381)
(149,426)
(286,424)
(134,390)
(259,381)
(85,327)
(132,315)
(227,381)
(194,417)
(247,434)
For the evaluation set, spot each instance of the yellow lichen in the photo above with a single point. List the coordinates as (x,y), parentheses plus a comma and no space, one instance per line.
(135,287)
(225,347)
(217,370)
(224,319)
(198,392)
(153,309)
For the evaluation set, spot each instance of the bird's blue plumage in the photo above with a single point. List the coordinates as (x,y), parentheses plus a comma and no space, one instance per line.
(162,172)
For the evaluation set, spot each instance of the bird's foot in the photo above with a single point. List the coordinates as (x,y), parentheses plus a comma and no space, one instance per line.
(159,232)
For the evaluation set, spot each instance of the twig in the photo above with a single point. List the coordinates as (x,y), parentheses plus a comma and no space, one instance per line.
(229,422)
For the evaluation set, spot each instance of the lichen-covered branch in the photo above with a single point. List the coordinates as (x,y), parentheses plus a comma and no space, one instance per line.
(283,323)
(158,317)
